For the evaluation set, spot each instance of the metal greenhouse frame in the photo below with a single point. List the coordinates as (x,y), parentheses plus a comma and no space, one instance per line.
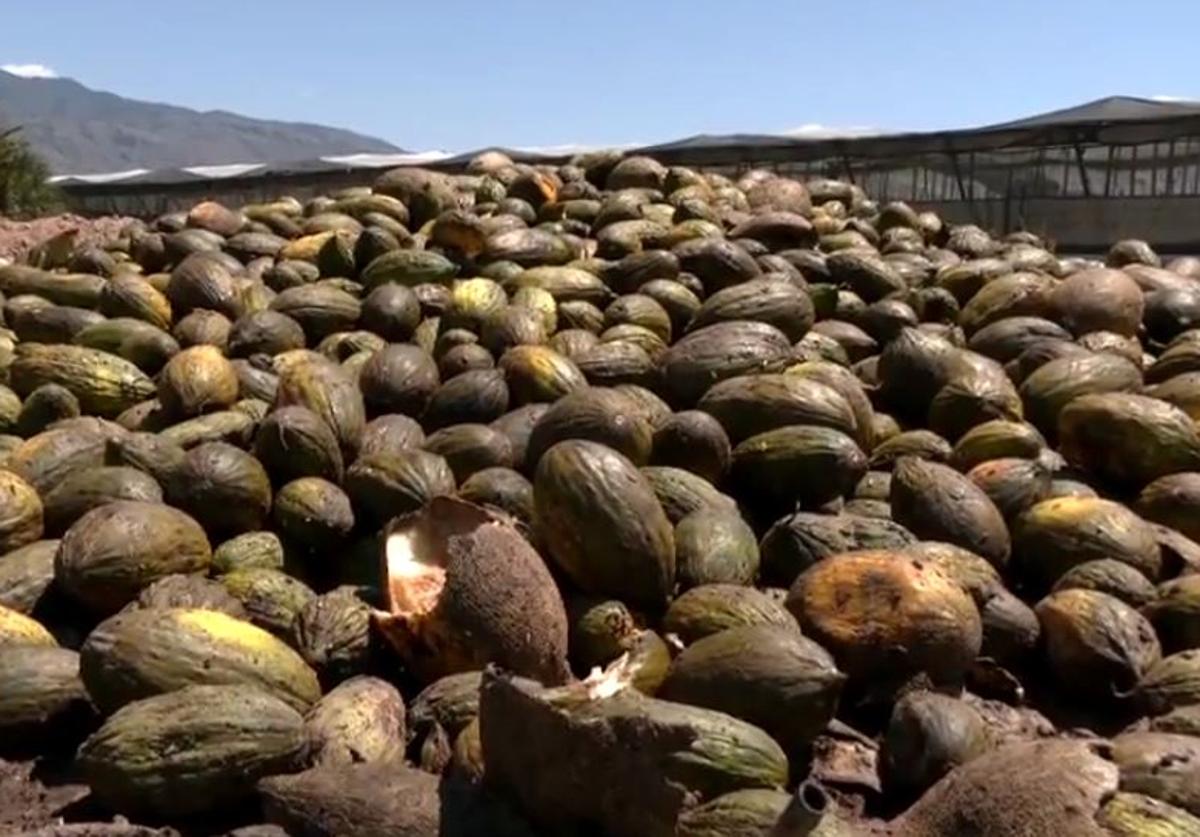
(1115,168)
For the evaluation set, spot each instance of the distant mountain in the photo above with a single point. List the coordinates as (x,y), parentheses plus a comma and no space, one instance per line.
(82,131)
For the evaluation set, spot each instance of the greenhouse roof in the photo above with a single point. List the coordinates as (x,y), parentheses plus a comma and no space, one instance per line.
(1116,120)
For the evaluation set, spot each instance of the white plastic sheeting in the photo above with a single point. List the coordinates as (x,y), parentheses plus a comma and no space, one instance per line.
(110,177)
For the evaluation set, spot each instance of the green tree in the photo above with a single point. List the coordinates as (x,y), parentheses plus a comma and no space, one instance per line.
(25,189)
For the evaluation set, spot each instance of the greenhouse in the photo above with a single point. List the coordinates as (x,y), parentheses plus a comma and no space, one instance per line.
(1114,168)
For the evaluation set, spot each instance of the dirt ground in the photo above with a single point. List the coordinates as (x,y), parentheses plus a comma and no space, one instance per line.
(40,798)
(16,237)
(36,799)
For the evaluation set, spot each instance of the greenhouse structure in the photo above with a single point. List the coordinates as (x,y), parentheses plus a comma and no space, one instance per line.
(1115,168)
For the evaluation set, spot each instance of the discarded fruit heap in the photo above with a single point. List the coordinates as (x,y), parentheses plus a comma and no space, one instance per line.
(603,499)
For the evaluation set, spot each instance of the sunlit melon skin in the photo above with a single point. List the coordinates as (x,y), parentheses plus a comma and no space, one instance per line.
(141,653)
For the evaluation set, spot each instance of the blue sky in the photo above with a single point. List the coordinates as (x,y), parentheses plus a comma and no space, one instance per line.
(456,75)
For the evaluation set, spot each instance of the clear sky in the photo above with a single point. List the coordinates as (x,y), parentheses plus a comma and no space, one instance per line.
(453,75)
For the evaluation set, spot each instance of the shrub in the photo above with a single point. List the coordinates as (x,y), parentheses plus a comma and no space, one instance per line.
(25,189)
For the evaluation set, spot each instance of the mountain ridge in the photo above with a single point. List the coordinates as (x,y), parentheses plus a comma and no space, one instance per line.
(78,130)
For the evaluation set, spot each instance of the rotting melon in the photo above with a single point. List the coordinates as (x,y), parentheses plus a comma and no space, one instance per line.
(1127,440)
(802,464)
(711,608)
(602,524)
(1097,645)
(113,551)
(40,693)
(577,754)
(768,675)
(747,405)
(1055,535)
(234,735)
(935,502)
(19,629)
(1026,789)
(463,589)
(27,576)
(372,798)
(884,613)
(361,720)
(140,653)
